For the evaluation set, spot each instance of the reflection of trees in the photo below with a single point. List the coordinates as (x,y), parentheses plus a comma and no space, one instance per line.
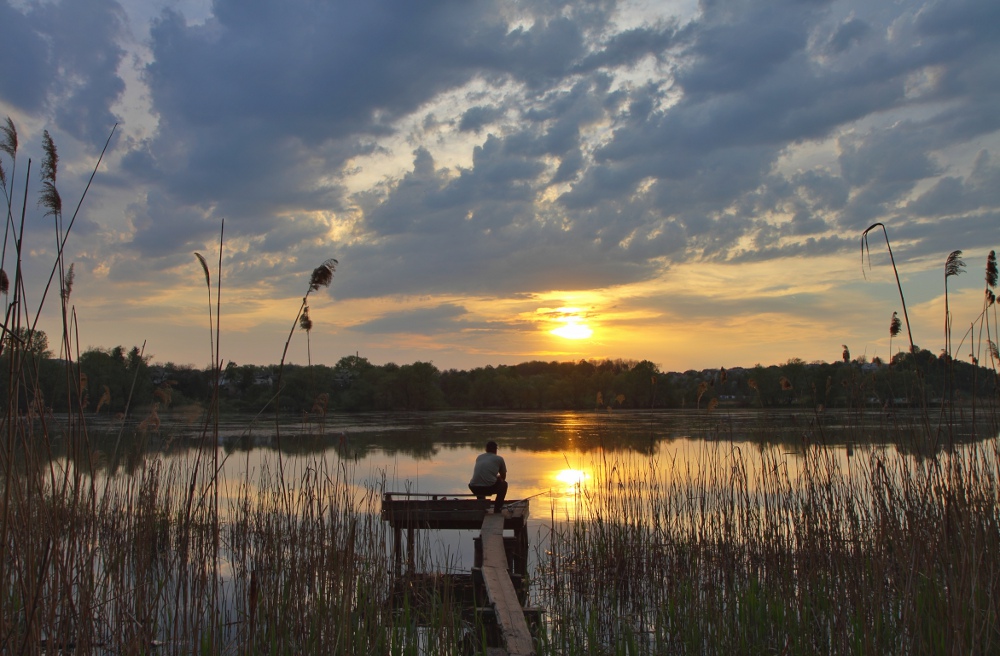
(121,448)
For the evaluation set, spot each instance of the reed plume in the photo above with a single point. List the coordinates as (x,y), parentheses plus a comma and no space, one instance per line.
(990,299)
(49,197)
(306,324)
(953,266)
(68,282)
(8,144)
(322,275)
(208,284)
(8,138)
(895,325)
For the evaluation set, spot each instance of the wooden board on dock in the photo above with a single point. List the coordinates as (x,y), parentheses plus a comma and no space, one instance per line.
(442,512)
(510,615)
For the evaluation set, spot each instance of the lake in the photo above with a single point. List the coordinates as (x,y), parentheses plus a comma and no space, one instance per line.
(551,456)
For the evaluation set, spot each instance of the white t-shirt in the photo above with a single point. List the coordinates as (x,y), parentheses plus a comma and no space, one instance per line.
(488,465)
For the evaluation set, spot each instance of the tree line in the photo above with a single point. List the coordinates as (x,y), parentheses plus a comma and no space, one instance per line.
(120,380)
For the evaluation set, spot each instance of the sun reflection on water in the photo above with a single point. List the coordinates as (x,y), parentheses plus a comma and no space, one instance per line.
(571,477)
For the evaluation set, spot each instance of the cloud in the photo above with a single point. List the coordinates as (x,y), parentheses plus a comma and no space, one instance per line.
(26,84)
(629,47)
(63,61)
(439,319)
(849,33)
(451,148)
(954,195)
(476,118)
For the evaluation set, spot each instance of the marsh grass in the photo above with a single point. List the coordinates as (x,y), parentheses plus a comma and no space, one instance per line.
(133,570)
(876,553)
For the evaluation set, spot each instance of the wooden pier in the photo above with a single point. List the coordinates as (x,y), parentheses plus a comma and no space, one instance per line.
(500,563)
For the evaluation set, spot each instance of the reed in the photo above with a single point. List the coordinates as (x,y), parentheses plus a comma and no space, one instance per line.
(877,553)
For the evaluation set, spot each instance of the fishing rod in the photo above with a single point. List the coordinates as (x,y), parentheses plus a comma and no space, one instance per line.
(548,491)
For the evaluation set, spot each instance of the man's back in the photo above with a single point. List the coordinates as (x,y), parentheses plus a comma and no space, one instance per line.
(488,466)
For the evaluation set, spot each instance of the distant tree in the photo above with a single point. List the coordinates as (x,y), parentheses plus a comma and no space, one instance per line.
(126,376)
(31,341)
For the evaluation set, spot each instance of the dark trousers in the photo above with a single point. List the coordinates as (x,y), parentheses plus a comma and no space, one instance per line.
(499,488)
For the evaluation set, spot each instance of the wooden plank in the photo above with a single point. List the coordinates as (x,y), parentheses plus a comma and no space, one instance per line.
(446,513)
(500,589)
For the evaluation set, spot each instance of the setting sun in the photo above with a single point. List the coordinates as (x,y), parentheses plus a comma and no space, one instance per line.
(573,330)
(572,323)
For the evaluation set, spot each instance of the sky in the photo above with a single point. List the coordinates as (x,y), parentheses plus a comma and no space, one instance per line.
(667,181)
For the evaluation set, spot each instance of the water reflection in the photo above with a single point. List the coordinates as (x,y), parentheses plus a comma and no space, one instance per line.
(436,438)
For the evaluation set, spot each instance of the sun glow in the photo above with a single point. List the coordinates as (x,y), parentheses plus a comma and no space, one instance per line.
(573,325)
(573,330)
(571,477)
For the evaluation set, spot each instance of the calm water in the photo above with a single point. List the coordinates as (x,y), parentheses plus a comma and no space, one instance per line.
(549,455)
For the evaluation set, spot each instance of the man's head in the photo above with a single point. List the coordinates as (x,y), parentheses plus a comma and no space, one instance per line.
(491,447)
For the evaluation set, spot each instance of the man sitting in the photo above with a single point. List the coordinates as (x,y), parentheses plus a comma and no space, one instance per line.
(490,476)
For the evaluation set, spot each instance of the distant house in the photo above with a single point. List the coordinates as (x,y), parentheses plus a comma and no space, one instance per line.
(158,375)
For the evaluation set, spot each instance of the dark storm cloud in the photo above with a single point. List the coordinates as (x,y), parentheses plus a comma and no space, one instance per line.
(755,81)
(165,230)
(630,46)
(25,84)
(849,33)
(475,118)
(61,59)
(952,195)
(898,154)
(263,99)
(333,69)
(732,55)
(822,190)
(321,70)
(812,247)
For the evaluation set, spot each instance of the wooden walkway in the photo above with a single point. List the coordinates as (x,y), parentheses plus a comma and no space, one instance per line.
(503,597)
(496,556)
